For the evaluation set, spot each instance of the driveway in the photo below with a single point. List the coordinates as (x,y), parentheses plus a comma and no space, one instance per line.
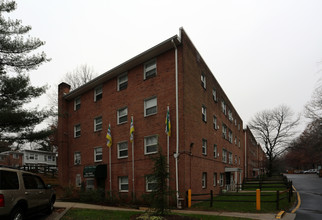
(310,188)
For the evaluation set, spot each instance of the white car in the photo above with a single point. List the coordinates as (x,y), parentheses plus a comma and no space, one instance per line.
(315,171)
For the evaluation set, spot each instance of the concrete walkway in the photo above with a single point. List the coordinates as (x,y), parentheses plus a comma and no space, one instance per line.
(261,216)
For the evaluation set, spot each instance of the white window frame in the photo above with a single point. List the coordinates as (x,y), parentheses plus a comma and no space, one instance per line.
(78,180)
(203,80)
(98,123)
(98,151)
(150,66)
(149,104)
(221,181)
(149,182)
(230,136)
(122,113)
(215,179)
(90,183)
(204,113)
(122,81)
(77,103)
(214,95)
(77,131)
(150,145)
(77,158)
(123,180)
(98,93)
(215,120)
(204,180)
(230,158)
(215,150)
(204,146)
(224,155)
(223,107)
(224,131)
(230,115)
(121,148)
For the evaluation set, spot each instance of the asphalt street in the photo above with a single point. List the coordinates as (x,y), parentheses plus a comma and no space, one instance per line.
(310,188)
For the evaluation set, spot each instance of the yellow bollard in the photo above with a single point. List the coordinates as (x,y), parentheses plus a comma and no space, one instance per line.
(189,198)
(258,199)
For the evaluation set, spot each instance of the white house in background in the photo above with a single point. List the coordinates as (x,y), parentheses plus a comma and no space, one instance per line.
(36,157)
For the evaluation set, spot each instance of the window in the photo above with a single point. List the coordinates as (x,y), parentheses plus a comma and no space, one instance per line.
(215,150)
(78,180)
(215,123)
(230,158)
(215,179)
(224,156)
(223,107)
(204,180)
(214,94)
(31,156)
(235,140)
(90,183)
(122,150)
(98,93)
(98,154)
(77,158)
(77,131)
(98,124)
(224,131)
(150,106)
(203,80)
(122,82)
(36,156)
(239,143)
(32,181)
(238,160)
(235,159)
(77,103)
(8,180)
(204,146)
(151,144)
(238,127)
(150,69)
(122,115)
(151,183)
(230,115)
(15,156)
(230,136)
(204,113)
(123,184)
(221,179)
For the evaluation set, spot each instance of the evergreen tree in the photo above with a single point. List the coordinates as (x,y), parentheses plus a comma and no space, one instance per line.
(16,59)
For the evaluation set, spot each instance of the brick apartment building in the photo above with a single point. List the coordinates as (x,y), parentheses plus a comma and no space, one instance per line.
(255,158)
(206,145)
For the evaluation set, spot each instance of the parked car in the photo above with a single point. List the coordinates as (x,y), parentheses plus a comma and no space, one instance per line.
(23,193)
(315,171)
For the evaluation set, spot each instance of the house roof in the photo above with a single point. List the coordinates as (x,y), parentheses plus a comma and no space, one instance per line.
(127,65)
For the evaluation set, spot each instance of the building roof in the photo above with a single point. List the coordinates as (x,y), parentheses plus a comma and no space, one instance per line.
(127,65)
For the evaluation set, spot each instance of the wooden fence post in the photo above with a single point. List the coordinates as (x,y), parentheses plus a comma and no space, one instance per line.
(258,199)
(277,199)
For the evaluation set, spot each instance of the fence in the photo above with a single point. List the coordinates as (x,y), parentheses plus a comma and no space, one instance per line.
(228,197)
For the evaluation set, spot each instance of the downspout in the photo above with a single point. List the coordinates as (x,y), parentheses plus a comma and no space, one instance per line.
(177,121)
(246,153)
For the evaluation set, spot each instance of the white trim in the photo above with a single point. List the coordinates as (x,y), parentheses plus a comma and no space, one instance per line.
(95,154)
(120,178)
(118,150)
(145,145)
(149,104)
(119,116)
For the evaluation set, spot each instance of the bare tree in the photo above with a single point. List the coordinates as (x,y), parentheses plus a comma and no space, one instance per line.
(274,129)
(313,109)
(79,76)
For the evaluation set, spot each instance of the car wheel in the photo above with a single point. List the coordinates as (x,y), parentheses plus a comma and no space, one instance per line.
(50,208)
(17,214)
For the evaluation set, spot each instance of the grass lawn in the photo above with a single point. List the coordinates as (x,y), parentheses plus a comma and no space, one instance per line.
(82,214)
(237,202)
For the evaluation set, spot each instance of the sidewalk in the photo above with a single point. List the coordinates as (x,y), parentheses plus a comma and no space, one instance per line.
(261,216)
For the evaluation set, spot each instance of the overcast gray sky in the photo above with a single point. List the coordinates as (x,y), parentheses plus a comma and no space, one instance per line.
(263,53)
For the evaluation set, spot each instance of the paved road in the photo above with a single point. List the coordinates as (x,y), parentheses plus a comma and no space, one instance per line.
(310,188)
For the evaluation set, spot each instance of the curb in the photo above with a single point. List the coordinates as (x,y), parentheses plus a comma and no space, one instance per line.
(280,215)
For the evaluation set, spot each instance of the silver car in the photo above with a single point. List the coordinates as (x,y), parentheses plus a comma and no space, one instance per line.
(23,193)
